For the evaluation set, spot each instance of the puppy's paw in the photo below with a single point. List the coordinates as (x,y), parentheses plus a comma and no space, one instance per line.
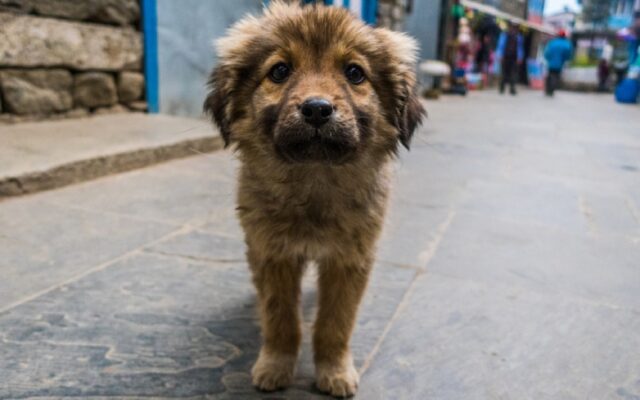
(273,371)
(339,379)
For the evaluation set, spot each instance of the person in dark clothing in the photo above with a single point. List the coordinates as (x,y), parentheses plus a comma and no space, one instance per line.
(483,55)
(510,52)
(603,75)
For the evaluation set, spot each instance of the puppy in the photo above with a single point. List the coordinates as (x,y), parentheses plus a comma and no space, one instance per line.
(315,103)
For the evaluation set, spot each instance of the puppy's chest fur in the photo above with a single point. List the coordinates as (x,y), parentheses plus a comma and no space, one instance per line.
(312,210)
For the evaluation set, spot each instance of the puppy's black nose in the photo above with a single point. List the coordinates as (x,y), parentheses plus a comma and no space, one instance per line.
(316,111)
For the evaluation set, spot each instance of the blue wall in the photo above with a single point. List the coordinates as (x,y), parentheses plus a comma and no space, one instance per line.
(186,30)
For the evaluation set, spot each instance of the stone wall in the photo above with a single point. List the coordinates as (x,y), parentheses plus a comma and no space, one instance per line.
(69,58)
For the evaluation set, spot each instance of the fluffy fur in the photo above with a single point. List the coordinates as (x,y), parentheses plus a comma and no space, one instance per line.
(322,202)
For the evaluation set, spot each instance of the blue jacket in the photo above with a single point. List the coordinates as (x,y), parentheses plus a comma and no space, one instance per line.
(502,43)
(557,52)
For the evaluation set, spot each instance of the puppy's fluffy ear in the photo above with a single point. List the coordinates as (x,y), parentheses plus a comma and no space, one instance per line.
(217,102)
(400,72)
(228,81)
(410,118)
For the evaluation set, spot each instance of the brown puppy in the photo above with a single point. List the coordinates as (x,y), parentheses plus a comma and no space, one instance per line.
(315,102)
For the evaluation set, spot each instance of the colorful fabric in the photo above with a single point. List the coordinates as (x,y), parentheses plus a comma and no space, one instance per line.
(558,52)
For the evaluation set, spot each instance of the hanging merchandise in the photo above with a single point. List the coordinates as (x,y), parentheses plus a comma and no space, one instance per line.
(464,35)
(457,11)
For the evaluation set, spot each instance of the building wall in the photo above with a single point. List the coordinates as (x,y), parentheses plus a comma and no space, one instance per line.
(423,23)
(514,7)
(185,33)
(69,58)
(621,14)
(562,20)
(186,30)
(517,8)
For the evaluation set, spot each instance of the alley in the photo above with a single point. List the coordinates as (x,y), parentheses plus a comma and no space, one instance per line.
(509,269)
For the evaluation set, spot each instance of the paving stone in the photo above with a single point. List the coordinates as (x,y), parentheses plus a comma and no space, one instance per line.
(544,203)
(148,340)
(489,249)
(158,326)
(410,232)
(42,244)
(458,339)
(224,223)
(613,215)
(202,246)
(507,270)
(195,189)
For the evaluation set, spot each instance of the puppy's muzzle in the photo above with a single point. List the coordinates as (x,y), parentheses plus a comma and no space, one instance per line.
(317,136)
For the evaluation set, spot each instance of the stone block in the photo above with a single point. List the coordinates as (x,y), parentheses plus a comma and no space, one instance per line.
(118,12)
(115,109)
(36,92)
(35,42)
(130,86)
(77,113)
(18,5)
(94,89)
(384,9)
(140,106)
(397,13)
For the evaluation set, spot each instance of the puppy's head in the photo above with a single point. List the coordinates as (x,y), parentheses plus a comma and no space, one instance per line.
(314,84)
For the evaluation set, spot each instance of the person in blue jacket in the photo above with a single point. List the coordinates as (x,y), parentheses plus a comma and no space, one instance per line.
(558,51)
(510,53)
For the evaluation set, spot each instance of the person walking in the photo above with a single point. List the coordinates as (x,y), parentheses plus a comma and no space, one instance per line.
(558,51)
(603,75)
(510,53)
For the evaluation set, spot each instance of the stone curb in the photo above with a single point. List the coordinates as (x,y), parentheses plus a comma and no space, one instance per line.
(84,170)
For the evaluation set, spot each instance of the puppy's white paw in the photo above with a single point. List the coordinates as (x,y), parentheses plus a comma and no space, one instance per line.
(273,371)
(339,380)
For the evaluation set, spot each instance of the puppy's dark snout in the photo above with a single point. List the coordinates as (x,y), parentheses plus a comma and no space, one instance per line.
(316,111)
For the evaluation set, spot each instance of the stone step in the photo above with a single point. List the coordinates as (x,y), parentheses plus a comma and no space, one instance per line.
(45,155)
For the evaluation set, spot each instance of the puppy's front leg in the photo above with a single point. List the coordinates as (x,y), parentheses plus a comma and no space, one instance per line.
(277,280)
(340,286)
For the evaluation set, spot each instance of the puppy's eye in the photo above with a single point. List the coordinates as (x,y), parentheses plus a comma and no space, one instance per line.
(354,74)
(279,72)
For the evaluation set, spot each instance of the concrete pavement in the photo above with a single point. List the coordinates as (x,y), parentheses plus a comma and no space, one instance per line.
(39,156)
(509,269)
